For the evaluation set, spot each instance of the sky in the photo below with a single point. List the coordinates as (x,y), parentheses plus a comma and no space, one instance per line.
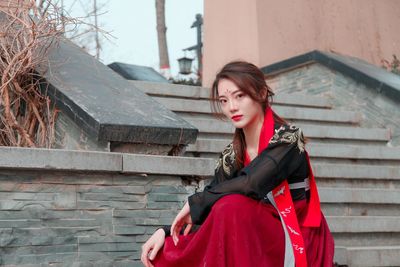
(132,24)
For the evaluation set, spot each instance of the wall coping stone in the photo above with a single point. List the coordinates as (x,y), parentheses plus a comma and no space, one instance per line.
(374,77)
(94,161)
(107,106)
(168,165)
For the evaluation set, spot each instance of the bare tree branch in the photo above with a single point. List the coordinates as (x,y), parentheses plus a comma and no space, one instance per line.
(27,29)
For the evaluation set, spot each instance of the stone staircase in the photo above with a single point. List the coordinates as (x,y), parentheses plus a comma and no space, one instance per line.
(357,173)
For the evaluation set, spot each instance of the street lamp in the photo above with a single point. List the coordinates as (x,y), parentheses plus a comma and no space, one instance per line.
(185,65)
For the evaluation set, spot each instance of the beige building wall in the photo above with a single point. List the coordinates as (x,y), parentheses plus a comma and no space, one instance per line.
(267,31)
(229,33)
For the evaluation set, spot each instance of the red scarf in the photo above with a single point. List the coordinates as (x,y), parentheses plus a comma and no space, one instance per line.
(283,199)
(267,131)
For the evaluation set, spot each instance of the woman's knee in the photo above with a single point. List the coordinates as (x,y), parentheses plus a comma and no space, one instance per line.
(234,204)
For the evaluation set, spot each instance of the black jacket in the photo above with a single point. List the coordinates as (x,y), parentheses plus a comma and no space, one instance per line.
(284,158)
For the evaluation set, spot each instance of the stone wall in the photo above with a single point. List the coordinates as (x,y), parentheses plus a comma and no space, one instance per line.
(54,216)
(376,109)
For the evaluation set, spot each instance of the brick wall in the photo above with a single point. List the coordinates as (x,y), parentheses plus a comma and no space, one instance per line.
(92,219)
(51,216)
(376,109)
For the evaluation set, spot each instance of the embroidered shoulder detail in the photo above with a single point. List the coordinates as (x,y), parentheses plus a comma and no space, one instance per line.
(226,159)
(289,134)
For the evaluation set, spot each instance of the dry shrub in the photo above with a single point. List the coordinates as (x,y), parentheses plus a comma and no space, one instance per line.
(27,118)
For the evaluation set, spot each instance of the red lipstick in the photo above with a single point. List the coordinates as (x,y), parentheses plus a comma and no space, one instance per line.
(237,117)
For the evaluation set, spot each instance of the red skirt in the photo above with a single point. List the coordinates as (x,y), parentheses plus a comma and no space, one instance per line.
(243,232)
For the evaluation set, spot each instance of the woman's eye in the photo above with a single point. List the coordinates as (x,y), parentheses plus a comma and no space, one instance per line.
(222,101)
(239,95)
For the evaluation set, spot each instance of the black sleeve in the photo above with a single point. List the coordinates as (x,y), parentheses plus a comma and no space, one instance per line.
(167,230)
(263,174)
(218,176)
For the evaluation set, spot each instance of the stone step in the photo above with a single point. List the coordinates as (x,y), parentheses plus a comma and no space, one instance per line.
(318,115)
(359,201)
(326,151)
(356,172)
(359,231)
(213,125)
(359,209)
(172,90)
(359,195)
(358,183)
(364,224)
(209,145)
(210,125)
(287,112)
(313,140)
(299,100)
(196,92)
(355,152)
(343,133)
(372,256)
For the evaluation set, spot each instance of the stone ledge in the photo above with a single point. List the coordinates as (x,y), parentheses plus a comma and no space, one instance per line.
(168,165)
(55,159)
(85,161)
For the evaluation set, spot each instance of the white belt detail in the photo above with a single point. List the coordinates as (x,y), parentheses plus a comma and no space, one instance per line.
(289,254)
(305,184)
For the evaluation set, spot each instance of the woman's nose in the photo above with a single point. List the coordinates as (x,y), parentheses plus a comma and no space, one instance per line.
(232,105)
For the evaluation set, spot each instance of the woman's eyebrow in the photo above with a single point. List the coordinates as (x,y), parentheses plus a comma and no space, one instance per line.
(234,92)
(238,90)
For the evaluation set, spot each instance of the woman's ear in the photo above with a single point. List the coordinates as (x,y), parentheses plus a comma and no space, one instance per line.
(264,94)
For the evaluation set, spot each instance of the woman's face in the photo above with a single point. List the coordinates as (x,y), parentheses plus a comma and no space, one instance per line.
(237,106)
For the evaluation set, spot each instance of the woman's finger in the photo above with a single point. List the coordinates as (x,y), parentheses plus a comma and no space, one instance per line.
(149,262)
(175,234)
(154,252)
(175,230)
(144,257)
(187,229)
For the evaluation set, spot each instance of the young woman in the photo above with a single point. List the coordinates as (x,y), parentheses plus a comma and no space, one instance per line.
(262,207)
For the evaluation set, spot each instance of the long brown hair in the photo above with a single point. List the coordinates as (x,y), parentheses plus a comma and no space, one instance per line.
(251,80)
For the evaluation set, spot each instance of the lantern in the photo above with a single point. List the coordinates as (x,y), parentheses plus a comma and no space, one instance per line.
(185,65)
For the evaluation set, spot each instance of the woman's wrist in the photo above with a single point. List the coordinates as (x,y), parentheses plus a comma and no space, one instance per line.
(166,229)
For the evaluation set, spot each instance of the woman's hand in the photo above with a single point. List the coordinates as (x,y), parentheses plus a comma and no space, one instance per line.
(152,246)
(183,218)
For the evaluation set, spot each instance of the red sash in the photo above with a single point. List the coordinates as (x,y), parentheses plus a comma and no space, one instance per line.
(283,199)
